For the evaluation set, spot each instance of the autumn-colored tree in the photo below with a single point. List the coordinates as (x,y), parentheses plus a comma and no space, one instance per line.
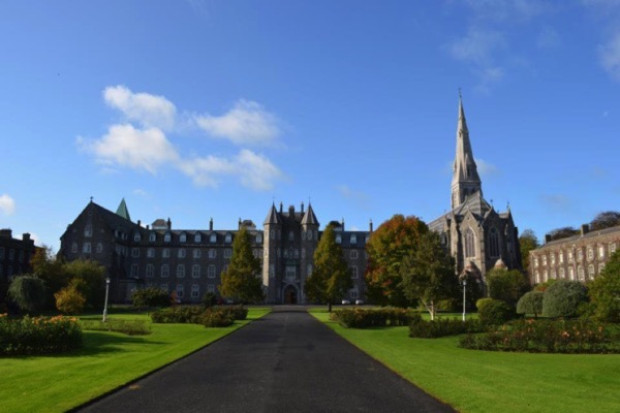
(331,277)
(527,242)
(69,300)
(50,269)
(88,277)
(428,273)
(389,245)
(241,280)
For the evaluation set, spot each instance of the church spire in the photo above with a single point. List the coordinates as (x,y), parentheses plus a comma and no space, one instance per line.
(465,178)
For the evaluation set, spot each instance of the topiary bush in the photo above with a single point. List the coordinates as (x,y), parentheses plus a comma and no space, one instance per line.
(563,298)
(494,312)
(530,303)
(29,293)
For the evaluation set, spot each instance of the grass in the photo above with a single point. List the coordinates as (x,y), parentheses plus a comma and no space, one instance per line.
(107,361)
(482,381)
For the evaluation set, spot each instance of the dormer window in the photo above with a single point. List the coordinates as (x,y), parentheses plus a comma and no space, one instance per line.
(152,237)
(197,237)
(353,239)
(228,238)
(213,239)
(182,237)
(167,237)
(137,237)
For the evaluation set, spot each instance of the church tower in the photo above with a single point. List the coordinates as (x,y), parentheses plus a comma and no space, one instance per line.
(272,230)
(465,178)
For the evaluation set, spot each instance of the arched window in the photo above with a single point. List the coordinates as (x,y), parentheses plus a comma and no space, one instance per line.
(493,243)
(470,248)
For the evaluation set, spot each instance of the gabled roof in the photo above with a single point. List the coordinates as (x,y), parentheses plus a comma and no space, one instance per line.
(122,210)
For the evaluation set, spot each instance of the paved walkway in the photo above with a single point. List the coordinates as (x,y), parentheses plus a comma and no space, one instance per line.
(285,362)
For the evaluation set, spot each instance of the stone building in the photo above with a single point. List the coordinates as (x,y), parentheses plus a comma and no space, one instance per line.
(475,233)
(579,257)
(15,255)
(190,261)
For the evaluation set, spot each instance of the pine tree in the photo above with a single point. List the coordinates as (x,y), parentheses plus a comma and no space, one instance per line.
(241,280)
(331,277)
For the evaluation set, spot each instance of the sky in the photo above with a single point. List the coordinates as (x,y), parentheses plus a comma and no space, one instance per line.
(216,109)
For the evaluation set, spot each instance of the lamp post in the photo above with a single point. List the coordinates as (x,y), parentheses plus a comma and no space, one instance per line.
(105,303)
(464,293)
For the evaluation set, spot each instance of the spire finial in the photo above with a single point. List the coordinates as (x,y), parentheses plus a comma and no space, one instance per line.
(460,95)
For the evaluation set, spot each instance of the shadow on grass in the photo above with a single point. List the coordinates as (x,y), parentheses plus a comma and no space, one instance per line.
(98,342)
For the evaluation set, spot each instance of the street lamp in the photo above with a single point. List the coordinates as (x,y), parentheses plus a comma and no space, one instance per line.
(105,303)
(464,293)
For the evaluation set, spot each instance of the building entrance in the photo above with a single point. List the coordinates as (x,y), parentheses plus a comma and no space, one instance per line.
(290,295)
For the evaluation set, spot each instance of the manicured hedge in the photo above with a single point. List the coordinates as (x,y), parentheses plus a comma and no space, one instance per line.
(39,335)
(442,327)
(547,336)
(197,314)
(363,318)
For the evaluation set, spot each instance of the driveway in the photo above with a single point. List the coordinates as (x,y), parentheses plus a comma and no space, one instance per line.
(286,361)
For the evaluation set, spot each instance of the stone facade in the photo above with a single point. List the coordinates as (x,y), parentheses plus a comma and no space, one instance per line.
(15,255)
(190,262)
(580,257)
(476,235)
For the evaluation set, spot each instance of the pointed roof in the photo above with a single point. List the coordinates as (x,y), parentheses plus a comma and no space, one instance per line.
(309,217)
(122,210)
(465,169)
(272,216)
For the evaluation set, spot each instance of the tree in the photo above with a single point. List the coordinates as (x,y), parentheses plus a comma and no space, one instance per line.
(150,297)
(562,298)
(51,270)
(69,300)
(29,293)
(331,277)
(428,273)
(506,285)
(88,277)
(530,303)
(527,242)
(241,280)
(560,233)
(387,248)
(605,220)
(604,290)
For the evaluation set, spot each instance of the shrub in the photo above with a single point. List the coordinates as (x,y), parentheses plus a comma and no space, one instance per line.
(217,317)
(235,312)
(209,300)
(178,314)
(129,327)
(150,297)
(442,327)
(604,291)
(530,303)
(493,312)
(548,336)
(39,335)
(562,299)
(28,292)
(69,300)
(361,318)
(506,285)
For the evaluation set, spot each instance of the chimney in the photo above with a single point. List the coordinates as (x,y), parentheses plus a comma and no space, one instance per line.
(291,210)
(280,207)
(6,232)
(239,224)
(585,228)
(169,223)
(342,224)
(370,226)
(211,224)
(547,238)
(302,207)
(139,223)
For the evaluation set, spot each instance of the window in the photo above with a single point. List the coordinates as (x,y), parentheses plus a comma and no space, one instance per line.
(571,257)
(197,237)
(183,237)
(135,252)
(213,239)
(211,288)
(195,291)
(152,237)
(612,248)
(580,255)
(195,271)
(581,273)
(88,231)
(259,238)
(601,252)
(167,237)
(212,253)
(561,257)
(227,253)
(137,237)
(571,273)
(354,273)
(353,239)
(180,271)
(354,254)
(165,253)
(196,253)
(536,262)
(180,291)
(228,238)
(291,236)
(338,239)
(85,248)
(553,273)
(562,274)
(134,270)
(590,254)
(544,260)
(552,257)
(181,253)
(537,276)
(493,243)
(211,271)
(470,250)
(150,270)
(150,253)
(74,247)
(591,272)
(99,249)
(291,272)
(164,287)
(309,235)
(165,271)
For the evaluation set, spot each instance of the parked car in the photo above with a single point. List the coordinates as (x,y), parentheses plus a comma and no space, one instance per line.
(346,302)
(359,302)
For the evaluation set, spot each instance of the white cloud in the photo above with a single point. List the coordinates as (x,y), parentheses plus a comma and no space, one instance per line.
(257,172)
(148,110)
(246,123)
(609,54)
(124,145)
(486,168)
(7,204)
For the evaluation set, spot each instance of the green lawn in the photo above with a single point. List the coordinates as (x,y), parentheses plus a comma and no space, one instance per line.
(482,381)
(108,360)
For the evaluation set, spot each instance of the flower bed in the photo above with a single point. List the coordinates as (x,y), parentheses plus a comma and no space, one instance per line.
(39,335)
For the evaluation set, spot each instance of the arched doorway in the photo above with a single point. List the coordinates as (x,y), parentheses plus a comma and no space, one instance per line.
(290,294)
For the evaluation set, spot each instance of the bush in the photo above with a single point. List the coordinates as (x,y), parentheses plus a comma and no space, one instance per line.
(150,297)
(546,336)
(442,327)
(562,299)
(217,317)
(361,318)
(178,314)
(38,335)
(604,291)
(69,300)
(209,300)
(235,312)
(29,293)
(530,303)
(129,327)
(493,312)
(506,285)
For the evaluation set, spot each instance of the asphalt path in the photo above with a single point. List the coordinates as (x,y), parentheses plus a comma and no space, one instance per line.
(286,361)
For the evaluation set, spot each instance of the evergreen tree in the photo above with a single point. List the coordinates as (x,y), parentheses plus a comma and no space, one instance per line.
(331,277)
(241,280)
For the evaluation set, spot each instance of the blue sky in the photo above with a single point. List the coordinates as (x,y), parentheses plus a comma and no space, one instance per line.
(198,109)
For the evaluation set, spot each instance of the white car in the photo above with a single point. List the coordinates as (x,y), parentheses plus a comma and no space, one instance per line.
(359,302)
(346,302)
